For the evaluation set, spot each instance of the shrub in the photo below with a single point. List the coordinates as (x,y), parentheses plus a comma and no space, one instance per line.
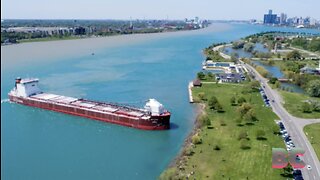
(261,70)
(201,96)
(212,102)
(205,121)
(241,100)
(217,147)
(243,135)
(201,75)
(260,134)
(188,151)
(245,144)
(239,121)
(196,139)
(306,107)
(313,88)
(233,101)
(222,123)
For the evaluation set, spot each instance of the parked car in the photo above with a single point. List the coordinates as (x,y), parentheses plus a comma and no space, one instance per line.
(309,167)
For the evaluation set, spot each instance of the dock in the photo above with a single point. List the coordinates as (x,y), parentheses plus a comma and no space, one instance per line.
(190,91)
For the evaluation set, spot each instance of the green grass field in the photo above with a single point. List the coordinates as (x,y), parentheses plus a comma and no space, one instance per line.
(293,102)
(232,162)
(313,133)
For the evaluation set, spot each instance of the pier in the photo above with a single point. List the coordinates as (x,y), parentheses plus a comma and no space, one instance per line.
(190,91)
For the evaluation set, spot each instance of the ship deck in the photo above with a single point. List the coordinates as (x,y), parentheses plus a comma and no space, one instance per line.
(103,107)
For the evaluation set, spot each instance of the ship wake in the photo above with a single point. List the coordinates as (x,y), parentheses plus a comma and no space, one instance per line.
(4,100)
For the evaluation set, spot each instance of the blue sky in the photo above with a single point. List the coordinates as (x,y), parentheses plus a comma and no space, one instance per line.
(151,9)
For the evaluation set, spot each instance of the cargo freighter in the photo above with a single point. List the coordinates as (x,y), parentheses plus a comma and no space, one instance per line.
(152,117)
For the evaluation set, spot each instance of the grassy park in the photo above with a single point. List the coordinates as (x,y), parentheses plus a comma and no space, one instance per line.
(294,102)
(228,147)
(313,132)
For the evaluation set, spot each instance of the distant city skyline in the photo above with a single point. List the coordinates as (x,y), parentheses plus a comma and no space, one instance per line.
(165,9)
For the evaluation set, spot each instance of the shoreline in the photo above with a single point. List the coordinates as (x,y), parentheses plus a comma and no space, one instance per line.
(34,52)
(200,111)
(38,40)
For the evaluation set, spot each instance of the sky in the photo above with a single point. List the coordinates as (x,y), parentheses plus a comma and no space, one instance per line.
(160,9)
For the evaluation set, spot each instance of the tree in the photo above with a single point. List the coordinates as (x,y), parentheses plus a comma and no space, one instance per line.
(205,120)
(201,75)
(242,135)
(239,121)
(233,101)
(254,84)
(260,134)
(241,100)
(306,107)
(219,107)
(196,139)
(313,88)
(315,105)
(188,151)
(294,55)
(261,70)
(237,44)
(248,47)
(250,116)
(222,122)
(202,96)
(210,75)
(287,171)
(245,144)
(234,57)
(244,108)
(212,102)
(275,129)
(273,80)
(277,84)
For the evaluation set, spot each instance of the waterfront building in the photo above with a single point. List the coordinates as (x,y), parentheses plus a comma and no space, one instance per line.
(283,18)
(230,77)
(270,18)
(197,83)
(310,70)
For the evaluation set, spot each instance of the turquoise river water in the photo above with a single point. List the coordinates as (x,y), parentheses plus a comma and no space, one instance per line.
(39,144)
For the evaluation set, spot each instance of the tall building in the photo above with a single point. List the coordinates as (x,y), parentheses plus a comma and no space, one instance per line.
(313,22)
(270,18)
(283,18)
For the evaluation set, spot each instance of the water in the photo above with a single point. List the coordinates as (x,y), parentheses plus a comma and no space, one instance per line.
(39,144)
(276,72)
(244,54)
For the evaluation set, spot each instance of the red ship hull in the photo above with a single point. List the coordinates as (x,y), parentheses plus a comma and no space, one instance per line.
(161,122)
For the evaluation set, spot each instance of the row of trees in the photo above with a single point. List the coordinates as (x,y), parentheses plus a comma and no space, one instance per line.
(209,76)
(311,45)
(308,107)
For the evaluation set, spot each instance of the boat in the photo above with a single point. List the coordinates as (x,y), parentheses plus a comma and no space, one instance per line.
(152,117)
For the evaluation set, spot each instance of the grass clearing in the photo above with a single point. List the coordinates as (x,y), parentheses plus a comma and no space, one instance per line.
(232,162)
(293,102)
(312,131)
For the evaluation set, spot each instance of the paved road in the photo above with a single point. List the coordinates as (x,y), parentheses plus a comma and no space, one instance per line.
(305,51)
(294,127)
